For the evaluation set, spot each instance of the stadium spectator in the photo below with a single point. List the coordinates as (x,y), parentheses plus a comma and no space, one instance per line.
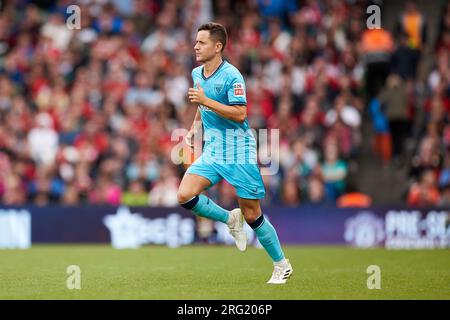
(428,157)
(290,193)
(105,191)
(334,171)
(316,192)
(164,191)
(353,198)
(135,194)
(440,75)
(444,201)
(424,193)
(403,58)
(394,97)
(71,196)
(43,140)
(443,39)
(444,182)
(377,46)
(14,191)
(383,143)
(412,23)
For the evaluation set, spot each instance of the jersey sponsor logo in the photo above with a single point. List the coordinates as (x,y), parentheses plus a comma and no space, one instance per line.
(238,90)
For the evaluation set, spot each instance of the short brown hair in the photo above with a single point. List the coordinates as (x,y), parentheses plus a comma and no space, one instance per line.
(217,32)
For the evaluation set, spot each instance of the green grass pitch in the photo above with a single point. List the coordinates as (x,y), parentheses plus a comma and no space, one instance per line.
(220,272)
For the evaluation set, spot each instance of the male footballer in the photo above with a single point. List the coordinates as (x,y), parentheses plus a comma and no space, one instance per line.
(219,91)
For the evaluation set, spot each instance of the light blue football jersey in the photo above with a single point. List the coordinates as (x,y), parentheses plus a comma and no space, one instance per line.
(225,140)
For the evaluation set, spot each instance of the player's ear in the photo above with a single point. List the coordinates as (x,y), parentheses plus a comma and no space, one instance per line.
(219,46)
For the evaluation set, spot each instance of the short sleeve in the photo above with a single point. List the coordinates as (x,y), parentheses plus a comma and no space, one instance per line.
(193,76)
(236,90)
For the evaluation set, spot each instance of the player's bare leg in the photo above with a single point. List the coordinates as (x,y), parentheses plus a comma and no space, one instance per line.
(268,238)
(191,185)
(190,197)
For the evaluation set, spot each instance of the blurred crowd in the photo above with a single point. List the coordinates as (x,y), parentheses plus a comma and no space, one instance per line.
(410,103)
(86,115)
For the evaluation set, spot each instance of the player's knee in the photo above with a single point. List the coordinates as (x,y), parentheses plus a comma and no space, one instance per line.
(184,196)
(251,214)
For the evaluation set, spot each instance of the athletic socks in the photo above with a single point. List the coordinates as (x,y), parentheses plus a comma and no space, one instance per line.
(203,206)
(268,238)
(281,263)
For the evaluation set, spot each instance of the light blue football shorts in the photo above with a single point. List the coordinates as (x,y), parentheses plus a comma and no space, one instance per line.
(245,178)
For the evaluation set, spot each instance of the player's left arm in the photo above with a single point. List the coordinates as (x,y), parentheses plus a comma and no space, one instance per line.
(236,113)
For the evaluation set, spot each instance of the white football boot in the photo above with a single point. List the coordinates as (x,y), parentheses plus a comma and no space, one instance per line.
(236,228)
(281,272)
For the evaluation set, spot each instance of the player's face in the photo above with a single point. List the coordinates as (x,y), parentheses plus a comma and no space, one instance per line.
(205,48)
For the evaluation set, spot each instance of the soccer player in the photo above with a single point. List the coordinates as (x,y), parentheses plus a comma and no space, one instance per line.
(220,94)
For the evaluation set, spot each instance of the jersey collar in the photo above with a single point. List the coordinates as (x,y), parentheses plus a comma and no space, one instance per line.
(220,66)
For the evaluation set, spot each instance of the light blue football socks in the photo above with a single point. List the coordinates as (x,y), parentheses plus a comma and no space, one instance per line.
(203,206)
(268,238)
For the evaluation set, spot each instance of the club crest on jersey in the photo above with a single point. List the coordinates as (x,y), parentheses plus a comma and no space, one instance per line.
(218,88)
(238,90)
